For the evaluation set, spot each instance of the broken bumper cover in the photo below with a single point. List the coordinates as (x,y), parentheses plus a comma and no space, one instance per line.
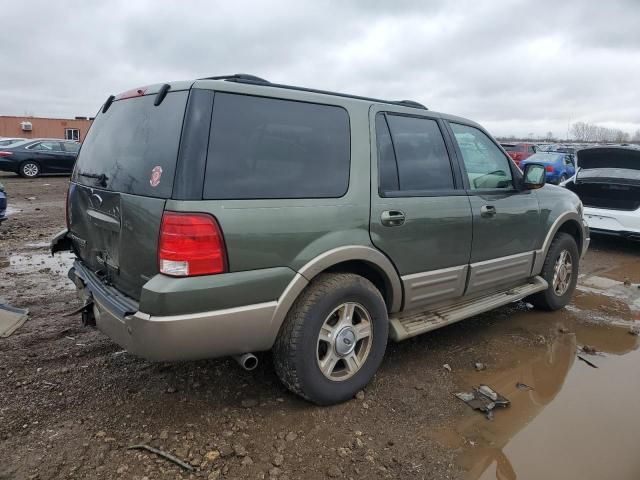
(625,223)
(177,337)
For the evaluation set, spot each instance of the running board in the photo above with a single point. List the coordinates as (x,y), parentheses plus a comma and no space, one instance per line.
(409,324)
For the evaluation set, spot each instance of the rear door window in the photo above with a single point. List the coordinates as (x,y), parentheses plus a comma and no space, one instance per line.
(414,157)
(271,148)
(135,145)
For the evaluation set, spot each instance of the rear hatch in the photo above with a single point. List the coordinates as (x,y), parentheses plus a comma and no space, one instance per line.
(122,178)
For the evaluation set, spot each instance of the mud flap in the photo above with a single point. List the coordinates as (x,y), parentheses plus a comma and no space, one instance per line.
(61,242)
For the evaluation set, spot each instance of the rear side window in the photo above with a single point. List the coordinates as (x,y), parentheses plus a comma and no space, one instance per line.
(46,147)
(420,155)
(135,145)
(271,148)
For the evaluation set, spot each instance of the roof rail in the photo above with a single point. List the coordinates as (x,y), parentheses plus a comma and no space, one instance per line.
(411,103)
(253,80)
(238,77)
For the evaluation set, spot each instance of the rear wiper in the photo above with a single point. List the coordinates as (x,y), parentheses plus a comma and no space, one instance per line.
(101,178)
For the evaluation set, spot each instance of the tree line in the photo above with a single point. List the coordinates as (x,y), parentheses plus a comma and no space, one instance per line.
(582,132)
(588,132)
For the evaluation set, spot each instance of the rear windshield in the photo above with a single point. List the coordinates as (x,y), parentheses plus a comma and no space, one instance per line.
(134,145)
(513,148)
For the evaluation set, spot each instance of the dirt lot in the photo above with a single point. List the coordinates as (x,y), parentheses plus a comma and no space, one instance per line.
(71,401)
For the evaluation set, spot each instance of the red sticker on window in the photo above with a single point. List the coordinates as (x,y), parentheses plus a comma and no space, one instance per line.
(156,173)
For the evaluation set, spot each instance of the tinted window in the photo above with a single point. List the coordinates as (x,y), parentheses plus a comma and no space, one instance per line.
(387,168)
(486,165)
(131,142)
(71,147)
(271,148)
(421,155)
(509,148)
(46,147)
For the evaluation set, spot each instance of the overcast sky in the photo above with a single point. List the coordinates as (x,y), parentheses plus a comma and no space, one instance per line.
(515,66)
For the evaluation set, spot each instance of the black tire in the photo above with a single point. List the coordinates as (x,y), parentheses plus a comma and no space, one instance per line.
(549,299)
(29,169)
(296,351)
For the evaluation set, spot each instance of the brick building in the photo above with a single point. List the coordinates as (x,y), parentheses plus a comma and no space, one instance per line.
(39,127)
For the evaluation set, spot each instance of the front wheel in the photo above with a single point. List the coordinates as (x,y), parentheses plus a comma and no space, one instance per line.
(560,270)
(333,339)
(29,169)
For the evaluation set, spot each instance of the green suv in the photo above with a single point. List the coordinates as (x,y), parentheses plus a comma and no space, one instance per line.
(230,215)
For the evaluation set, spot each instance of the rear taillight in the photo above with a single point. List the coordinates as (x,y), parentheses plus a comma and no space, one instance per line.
(549,168)
(190,244)
(5,154)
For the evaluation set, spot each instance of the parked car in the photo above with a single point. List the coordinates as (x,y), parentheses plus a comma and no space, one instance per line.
(519,151)
(558,166)
(8,142)
(310,223)
(608,183)
(3,204)
(42,155)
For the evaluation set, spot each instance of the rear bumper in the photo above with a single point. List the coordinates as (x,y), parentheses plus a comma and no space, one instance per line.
(617,222)
(3,207)
(177,337)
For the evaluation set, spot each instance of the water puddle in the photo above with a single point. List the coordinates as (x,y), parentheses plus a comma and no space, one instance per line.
(41,267)
(11,210)
(576,421)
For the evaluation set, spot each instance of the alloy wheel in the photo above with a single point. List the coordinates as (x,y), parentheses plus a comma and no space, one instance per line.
(30,169)
(344,341)
(562,273)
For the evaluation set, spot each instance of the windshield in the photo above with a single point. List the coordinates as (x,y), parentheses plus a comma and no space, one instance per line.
(133,147)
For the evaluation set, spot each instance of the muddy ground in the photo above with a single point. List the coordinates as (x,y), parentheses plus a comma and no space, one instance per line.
(71,401)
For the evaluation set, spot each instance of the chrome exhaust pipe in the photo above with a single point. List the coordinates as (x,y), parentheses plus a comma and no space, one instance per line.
(248,361)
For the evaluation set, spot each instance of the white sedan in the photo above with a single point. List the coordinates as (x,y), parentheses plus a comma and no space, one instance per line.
(608,183)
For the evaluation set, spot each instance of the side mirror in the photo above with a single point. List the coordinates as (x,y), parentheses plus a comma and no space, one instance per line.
(534,176)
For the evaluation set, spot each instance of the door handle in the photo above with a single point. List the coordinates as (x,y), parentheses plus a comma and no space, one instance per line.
(392,218)
(487,211)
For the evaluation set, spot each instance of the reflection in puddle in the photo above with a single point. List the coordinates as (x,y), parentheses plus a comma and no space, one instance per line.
(578,422)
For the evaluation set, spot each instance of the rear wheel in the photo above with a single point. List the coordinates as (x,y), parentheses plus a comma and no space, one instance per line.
(29,169)
(333,339)
(560,270)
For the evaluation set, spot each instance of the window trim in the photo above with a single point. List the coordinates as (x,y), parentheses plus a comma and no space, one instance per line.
(516,174)
(457,186)
(72,139)
(210,143)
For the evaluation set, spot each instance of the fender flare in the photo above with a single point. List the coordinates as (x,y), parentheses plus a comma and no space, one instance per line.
(541,254)
(327,260)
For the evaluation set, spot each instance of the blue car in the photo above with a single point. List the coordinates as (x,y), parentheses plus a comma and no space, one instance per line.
(3,204)
(558,165)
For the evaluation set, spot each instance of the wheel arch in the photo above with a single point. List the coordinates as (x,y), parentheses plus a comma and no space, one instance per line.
(568,222)
(362,260)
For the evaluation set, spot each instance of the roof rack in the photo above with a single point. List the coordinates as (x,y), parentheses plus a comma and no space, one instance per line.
(253,80)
